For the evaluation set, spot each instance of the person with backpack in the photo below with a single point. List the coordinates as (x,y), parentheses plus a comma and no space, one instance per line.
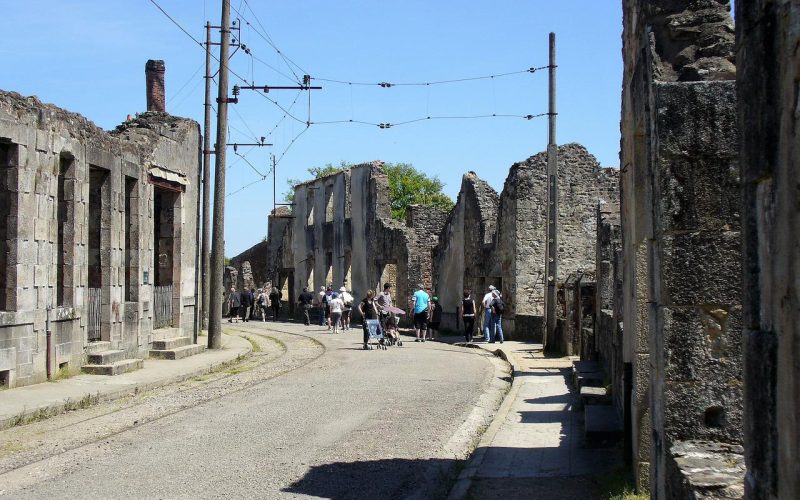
(436,319)
(467,313)
(262,303)
(275,297)
(348,307)
(305,300)
(497,306)
(487,313)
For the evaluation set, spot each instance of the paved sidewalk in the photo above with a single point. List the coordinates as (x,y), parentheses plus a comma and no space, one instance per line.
(53,397)
(534,449)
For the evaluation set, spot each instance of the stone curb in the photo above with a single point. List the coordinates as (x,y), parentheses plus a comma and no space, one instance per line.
(464,482)
(55,408)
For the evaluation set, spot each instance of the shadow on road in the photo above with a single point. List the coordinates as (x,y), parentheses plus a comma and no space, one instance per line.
(388,478)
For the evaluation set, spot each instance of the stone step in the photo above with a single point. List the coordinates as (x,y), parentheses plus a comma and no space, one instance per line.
(171,343)
(93,347)
(602,426)
(595,396)
(105,357)
(177,353)
(120,367)
(590,379)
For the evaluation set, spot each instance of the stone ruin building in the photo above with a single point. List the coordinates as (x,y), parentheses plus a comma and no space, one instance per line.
(97,239)
(679,290)
(341,233)
(499,240)
(695,291)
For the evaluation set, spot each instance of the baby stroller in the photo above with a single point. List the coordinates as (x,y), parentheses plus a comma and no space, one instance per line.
(376,337)
(392,334)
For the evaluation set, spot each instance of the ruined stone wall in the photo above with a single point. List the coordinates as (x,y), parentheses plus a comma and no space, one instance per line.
(252,266)
(520,252)
(426,223)
(608,279)
(48,158)
(768,34)
(342,234)
(680,230)
(463,252)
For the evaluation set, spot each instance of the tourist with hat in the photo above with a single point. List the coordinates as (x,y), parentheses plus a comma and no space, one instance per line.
(347,299)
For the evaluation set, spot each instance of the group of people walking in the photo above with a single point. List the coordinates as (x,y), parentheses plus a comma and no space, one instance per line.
(334,310)
(253,304)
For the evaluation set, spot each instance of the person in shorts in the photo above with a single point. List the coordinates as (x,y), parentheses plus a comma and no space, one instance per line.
(421,304)
(435,319)
(336,305)
(348,307)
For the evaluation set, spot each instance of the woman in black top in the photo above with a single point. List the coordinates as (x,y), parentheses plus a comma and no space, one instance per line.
(468,315)
(369,310)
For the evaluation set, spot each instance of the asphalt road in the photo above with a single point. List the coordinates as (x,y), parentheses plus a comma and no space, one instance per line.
(310,416)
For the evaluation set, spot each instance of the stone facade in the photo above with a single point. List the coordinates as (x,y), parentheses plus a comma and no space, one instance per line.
(92,222)
(680,218)
(464,248)
(510,250)
(340,233)
(768,34)
(607,343)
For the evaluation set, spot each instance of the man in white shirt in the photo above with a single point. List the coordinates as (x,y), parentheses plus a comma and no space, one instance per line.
(487,313)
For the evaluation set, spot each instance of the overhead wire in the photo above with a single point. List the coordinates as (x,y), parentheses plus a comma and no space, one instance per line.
(385,84)
(191,78)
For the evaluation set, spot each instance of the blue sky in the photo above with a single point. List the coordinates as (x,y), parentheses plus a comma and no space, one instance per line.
(88,56)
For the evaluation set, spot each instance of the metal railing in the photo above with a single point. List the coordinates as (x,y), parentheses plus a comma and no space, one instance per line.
(94,303)
(162,306)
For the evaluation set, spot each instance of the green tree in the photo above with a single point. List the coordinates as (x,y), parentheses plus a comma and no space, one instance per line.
(407,186)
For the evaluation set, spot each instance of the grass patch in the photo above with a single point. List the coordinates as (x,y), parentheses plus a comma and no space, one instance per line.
(45,413)
(64,373)
(255,346)
(619,485)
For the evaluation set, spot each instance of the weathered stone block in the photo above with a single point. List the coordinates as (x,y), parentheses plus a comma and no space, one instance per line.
(702,374)
(701,268)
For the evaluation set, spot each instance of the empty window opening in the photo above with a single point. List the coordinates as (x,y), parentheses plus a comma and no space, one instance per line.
(131,249)
(98,211)
(99,230)
(389,275)
(64,365)
(164,235)
(9,154)
(328,268)
(329,203)
(5,378)
(65,218)
(348,268)
(310,206)
(310,273)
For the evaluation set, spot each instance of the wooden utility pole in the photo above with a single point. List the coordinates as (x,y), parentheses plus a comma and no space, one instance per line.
(216,292)
(551,252)
(206,255)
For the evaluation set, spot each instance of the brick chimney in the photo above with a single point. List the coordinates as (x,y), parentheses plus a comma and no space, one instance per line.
(154,72)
